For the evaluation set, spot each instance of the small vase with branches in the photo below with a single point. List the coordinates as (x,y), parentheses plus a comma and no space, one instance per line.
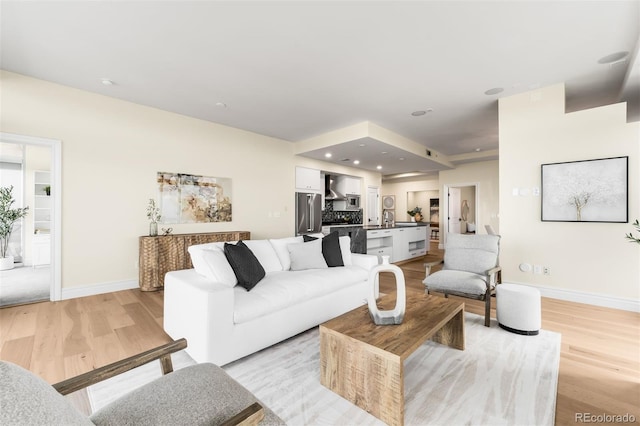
(153,214)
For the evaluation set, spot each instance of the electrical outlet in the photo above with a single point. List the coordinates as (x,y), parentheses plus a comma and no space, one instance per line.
(546,270)
(136,264)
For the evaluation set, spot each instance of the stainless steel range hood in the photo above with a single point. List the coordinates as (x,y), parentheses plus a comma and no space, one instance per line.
(330,191)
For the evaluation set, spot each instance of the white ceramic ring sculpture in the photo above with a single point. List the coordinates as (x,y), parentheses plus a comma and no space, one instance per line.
(397,314)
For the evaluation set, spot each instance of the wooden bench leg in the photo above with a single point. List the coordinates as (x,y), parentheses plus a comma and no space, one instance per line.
(487,310)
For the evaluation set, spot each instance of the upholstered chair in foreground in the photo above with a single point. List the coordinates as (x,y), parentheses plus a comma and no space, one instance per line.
(470,269)
(201,394)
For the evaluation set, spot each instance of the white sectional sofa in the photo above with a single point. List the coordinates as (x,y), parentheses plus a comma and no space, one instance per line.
(223,322)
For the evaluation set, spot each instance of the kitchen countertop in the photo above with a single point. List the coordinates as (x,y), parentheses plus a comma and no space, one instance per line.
(376,228)
(370,228)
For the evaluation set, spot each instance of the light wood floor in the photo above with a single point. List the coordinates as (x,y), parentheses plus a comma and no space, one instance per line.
(599,365)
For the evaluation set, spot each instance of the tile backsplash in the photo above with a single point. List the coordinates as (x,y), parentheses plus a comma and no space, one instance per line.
(330,215)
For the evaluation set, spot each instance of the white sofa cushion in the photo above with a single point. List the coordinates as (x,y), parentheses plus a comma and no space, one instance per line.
(278,290)
(216,267)
(307,255)
(261,249)
(280,247)
(266,255)
(197,257)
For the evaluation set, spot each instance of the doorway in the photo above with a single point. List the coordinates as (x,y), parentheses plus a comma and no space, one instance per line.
(35,175)
(373,206)
(461,208)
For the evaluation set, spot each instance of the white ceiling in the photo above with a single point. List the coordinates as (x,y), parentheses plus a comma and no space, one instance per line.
(296,70)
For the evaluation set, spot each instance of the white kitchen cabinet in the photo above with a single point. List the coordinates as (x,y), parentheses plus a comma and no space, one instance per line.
(41,249)
(400,249)
(308,180)
(380,243)
(400,244)
(417,243)
(348,185)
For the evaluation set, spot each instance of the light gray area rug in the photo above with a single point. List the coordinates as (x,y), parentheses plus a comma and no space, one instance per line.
(499,379)
(24,284)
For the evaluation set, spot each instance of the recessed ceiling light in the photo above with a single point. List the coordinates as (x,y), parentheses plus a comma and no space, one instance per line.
(379,167)
(477,149)
(401,158)
(614,57)
(383,152)
(107,82)
(494,91)
(419,113)
(221,105)
(362,144)
(328,155)
(356,162)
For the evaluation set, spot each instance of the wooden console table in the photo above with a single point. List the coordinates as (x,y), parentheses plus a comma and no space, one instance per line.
(162,254)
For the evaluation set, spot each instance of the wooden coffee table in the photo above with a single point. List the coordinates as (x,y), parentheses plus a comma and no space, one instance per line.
(363,362)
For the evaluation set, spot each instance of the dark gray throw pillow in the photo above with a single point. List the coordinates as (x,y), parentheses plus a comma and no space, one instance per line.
(244,263)
(330,248)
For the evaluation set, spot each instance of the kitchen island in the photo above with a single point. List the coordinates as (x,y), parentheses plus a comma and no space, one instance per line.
(400,242)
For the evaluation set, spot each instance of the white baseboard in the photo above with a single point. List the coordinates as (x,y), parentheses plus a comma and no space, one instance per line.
(91,290)
(632,305)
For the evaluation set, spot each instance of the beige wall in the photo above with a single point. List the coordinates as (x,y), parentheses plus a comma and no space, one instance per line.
(111,151)
(592,258)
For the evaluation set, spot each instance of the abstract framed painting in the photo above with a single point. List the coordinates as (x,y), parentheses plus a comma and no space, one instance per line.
(586,191)
(186,198)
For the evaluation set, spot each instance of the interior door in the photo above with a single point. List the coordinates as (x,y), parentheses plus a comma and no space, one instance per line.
(454,220)
(373,206)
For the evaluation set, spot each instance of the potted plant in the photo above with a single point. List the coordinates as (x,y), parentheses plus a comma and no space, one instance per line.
(416,214)
(8,217)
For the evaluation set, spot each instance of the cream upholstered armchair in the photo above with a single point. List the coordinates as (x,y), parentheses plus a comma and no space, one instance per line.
(201,394)
(470,269)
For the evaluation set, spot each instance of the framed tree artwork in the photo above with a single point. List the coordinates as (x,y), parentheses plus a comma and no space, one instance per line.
(586,191)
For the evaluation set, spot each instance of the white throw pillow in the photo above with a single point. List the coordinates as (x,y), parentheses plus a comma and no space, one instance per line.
(345,250)
(217,267)
(307,255)
(266,255)
(280,247)
(197,259)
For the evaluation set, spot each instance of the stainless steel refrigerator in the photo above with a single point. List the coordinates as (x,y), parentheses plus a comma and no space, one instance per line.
(308,213)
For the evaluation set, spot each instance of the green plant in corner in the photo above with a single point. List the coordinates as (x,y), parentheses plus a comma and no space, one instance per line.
(8,217)
(630,236)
